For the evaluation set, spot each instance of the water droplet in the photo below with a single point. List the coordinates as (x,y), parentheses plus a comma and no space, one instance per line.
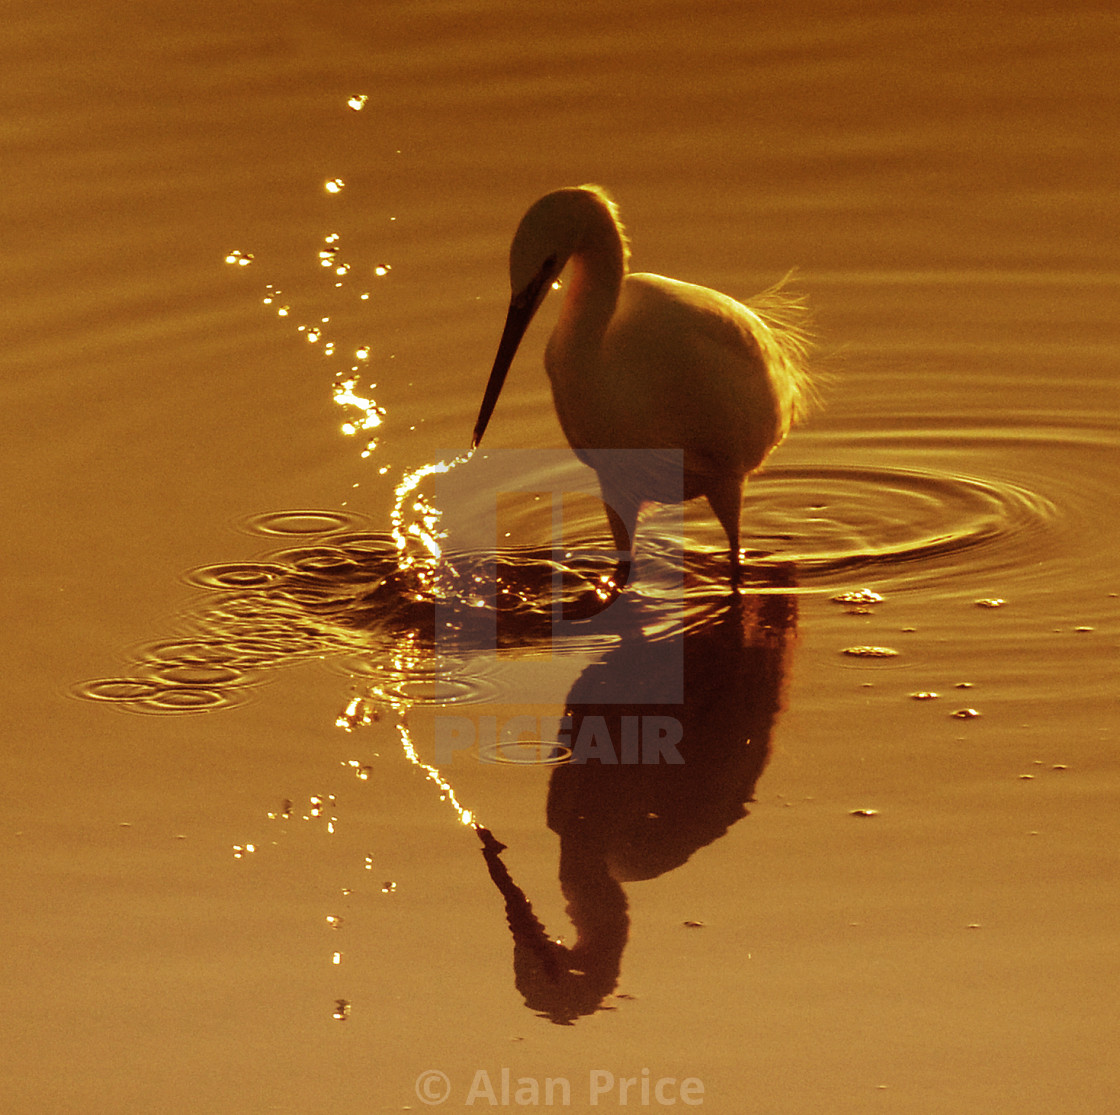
(334,186)
(990,602)
(864,813)
(925,695)
(334,921)
(239,259)
(382,269)
(966,714)
(388,887)
(341,1010)
(870,652)
(358,101)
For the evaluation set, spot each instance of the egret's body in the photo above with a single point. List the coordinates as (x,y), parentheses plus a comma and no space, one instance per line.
(701,383)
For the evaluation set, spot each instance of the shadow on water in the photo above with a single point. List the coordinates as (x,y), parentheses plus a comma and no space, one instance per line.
(621,821)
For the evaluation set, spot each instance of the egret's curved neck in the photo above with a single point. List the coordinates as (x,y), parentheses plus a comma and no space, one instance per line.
(596,270)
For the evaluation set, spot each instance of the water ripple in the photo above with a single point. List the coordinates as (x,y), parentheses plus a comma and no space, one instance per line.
(824,519)
(341,598)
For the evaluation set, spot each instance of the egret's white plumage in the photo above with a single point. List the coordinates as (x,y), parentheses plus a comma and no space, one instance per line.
(705,385)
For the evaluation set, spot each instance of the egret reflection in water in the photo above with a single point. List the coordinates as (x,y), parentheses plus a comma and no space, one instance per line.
(621,822)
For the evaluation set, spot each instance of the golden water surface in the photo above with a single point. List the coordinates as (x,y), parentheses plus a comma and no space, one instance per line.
(287,822)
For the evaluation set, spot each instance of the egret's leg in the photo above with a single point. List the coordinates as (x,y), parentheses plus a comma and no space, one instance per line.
(622,514)
(726,498)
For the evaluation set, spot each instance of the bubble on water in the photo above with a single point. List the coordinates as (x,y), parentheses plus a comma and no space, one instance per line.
(361,770)
(319,804)
(858,596)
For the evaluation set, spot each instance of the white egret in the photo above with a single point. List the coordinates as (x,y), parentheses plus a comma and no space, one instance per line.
(705,385)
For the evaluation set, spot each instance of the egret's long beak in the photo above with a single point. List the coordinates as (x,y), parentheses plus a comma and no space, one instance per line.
(517,321)
(522,307)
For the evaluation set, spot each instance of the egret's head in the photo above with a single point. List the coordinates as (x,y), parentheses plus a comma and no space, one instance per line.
(560,224)
(551,231)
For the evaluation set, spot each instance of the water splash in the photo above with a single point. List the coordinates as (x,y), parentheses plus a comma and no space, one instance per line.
(423,519)
(447,793)
(369,414)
